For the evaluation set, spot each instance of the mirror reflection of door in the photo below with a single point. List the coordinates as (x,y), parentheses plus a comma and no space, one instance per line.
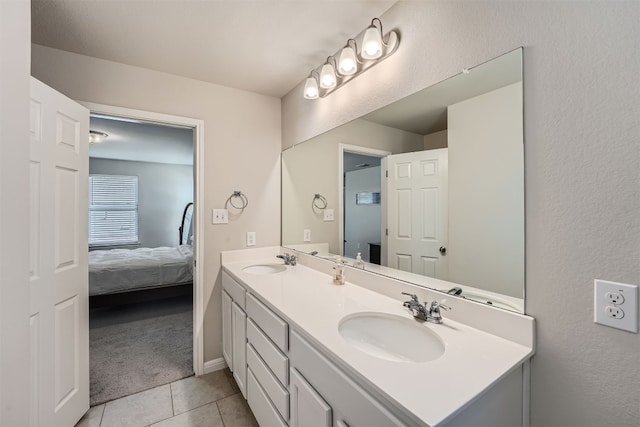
(362,209)
(417,212)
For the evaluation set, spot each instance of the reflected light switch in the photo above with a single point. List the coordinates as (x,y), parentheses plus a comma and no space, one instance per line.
(328,214)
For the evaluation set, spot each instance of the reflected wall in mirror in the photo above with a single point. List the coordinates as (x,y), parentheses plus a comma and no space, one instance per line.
(429,189)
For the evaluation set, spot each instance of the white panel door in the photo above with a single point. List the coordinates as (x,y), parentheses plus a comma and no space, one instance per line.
(417,212)
(58,260)
(239,353)
(308,408)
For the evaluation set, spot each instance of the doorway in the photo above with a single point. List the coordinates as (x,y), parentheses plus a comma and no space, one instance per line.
(361,194)
(169,300)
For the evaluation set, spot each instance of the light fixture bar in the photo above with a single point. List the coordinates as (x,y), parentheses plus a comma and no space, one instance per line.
(375,47)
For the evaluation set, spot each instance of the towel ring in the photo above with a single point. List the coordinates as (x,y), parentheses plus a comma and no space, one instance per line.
(243,203)
(319,201)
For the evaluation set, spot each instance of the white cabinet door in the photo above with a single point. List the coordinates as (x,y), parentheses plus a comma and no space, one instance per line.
(308,408)
(239,356)
(227,334)
(59,323)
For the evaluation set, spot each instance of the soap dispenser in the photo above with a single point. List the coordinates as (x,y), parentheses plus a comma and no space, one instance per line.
(338,272)
(359,263)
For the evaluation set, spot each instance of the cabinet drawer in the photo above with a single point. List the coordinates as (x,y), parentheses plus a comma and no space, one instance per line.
(273,326)
(262,409)
(355,406)
(234,289)
(275,360)
(278,395)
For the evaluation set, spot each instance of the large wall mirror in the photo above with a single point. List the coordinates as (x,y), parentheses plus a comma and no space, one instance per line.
(429,189)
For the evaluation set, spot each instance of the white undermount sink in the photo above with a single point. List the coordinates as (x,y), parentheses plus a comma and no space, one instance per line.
(391,337)
(265,268)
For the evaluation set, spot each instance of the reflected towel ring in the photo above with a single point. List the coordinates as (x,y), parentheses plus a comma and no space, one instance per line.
(244,202)
(319,201)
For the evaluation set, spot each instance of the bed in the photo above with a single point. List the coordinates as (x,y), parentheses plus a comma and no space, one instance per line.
(123,270)
(114,271)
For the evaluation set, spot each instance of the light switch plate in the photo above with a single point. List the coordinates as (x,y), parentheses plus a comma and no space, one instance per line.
(220,216)
(307,235)
(328,214)
(616,305)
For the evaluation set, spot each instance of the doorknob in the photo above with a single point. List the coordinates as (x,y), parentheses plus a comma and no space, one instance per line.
(443,250)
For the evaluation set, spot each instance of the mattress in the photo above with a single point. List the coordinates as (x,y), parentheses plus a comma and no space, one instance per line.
(122,270)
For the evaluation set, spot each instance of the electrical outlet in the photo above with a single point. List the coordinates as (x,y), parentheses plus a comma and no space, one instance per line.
(616,305)
(614,312)
(328,215)
(251,238)
(220,216)
(614,298)
(307,235)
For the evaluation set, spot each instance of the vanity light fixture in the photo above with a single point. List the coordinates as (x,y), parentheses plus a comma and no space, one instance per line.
(311,86)
(96,137)
(328,74)
(348,62)
(351,63)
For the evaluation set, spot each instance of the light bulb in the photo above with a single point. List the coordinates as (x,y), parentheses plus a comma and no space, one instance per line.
(347,64)
(311,88)
(96,137)
(327,76)
(372,43)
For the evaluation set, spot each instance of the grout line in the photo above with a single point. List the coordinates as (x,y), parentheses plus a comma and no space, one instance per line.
(220,413)
(173,411)
(104,407)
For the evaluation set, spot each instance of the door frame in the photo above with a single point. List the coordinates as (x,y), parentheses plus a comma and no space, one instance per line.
(342,148)
(198,201)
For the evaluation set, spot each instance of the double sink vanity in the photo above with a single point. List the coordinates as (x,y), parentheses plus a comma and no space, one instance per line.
(307,352)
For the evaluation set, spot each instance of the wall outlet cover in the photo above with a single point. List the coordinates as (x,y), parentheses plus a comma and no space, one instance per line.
(616,305)
(251,238)
(307,235)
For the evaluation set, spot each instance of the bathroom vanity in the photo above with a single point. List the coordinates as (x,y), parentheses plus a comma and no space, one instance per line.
(307,352)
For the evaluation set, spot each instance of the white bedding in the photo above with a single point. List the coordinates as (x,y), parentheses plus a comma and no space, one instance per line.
(122,270)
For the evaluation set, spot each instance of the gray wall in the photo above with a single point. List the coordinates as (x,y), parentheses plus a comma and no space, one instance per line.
(163,192)
(582,171)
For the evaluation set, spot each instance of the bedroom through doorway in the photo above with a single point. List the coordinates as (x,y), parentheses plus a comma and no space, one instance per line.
(142,244)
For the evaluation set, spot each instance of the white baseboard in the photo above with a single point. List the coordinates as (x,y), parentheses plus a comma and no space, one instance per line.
(214,365)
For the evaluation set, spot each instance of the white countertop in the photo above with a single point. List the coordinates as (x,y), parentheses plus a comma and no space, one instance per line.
(430,392)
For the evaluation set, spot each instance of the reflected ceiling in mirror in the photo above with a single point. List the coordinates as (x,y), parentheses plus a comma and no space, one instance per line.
(447,163)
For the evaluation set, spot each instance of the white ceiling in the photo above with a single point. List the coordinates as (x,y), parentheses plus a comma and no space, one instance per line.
(142,142)
(263,46)
(425,111)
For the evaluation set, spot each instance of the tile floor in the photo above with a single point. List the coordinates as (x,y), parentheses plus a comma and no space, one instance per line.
(212,400)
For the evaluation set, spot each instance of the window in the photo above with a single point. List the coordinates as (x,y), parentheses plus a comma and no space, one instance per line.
(113,210)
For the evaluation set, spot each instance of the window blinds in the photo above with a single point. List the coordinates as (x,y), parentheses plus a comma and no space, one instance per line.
(113,210)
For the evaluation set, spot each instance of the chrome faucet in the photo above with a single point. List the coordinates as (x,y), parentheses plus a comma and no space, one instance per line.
(420,311)
(288,259)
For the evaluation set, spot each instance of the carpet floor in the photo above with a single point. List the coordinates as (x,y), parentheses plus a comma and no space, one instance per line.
(139,346)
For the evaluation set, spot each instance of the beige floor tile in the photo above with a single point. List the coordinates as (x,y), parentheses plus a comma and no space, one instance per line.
(204,416)
(140,409)
(235,412)
(92,418)
(192,392)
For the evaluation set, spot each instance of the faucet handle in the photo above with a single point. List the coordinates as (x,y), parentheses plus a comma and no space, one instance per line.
(435,305)
(413,296)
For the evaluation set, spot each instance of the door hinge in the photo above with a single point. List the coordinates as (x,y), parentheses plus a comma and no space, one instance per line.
(386,173)
(386,231)
(194,262)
